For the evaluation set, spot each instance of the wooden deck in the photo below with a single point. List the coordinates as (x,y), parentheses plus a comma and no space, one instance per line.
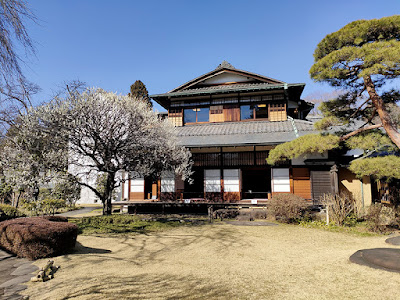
(183,207)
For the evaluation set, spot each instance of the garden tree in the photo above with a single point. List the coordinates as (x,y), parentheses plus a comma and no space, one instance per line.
(361,59)
(106,134)
(15,89)
(139,91)
(27,159)
(67,188)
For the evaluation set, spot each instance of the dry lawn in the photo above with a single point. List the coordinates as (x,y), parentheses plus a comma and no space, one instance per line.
(219,262)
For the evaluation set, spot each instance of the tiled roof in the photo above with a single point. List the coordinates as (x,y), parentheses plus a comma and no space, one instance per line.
(241,133)
(224,66)
(228,88)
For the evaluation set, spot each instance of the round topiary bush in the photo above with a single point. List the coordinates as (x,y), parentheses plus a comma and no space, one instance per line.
(38,237)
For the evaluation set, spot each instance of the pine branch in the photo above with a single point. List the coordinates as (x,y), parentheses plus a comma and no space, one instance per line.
(355,132)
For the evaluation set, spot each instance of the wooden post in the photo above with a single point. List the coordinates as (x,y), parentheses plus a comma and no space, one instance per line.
(334,179)
(210,214)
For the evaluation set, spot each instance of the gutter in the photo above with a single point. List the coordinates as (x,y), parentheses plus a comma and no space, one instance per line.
(296,132)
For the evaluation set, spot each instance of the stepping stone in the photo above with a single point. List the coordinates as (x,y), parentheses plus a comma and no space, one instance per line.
(20,262)
(4,255)
(393,241)
(379,258)
(16,281)
(25,269)
(14,290)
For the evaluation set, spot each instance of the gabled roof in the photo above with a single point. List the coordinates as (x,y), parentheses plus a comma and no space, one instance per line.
(226,67)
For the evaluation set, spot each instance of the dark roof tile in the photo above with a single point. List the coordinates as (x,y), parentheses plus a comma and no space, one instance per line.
(241,133)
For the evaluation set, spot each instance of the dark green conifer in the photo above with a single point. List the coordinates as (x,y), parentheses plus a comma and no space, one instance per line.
(139,91)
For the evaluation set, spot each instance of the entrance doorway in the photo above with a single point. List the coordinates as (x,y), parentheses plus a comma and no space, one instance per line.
(196,189)
(256,183)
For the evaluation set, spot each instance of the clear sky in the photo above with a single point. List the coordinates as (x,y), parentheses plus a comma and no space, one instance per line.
(110,44)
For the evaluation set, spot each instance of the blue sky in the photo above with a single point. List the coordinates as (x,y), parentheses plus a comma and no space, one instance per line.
(110,44)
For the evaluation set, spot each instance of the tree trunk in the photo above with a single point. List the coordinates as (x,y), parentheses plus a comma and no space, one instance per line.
(108,190)
(377,101)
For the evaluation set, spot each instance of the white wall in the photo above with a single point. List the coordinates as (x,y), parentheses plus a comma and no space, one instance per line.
(227,77)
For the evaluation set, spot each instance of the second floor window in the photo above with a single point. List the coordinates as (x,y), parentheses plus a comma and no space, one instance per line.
(196,115)
(255,111)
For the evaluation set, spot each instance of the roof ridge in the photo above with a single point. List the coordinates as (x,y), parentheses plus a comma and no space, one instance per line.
(225,65)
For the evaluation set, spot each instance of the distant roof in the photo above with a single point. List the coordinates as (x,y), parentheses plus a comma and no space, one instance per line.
(241,133)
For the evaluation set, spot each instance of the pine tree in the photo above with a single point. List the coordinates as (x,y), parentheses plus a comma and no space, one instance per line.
(139,91)
(361,59)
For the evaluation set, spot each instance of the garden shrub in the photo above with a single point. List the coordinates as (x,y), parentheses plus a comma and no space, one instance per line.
(51,206)
(288,208)
(340,207)
(9,212)
(379,217)
(56,218)
(258,213)
(226,214)
(37,237)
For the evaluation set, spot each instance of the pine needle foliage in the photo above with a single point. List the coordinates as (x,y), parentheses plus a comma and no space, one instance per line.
(310,143)
(361,58)
(387,167)
(139,92)
(370,142)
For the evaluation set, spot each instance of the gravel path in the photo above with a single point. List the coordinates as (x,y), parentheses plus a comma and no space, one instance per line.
(76,213)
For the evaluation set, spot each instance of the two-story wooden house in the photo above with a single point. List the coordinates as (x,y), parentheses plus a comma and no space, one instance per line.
(230,119)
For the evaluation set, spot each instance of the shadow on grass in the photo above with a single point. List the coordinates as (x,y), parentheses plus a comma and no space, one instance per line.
(147,286)
(141,250)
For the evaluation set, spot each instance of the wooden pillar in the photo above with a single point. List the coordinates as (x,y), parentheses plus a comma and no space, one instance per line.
(159,188)
(334,179)
(154,189)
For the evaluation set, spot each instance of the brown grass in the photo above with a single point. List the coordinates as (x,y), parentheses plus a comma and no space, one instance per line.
(219,262)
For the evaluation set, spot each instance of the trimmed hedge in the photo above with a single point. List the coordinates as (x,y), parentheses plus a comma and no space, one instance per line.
(38,237)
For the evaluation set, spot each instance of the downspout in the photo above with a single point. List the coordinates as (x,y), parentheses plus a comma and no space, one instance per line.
(296,132)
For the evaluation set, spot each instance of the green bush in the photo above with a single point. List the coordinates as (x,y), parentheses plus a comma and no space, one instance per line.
(287,208)
(9,212)
(51,206)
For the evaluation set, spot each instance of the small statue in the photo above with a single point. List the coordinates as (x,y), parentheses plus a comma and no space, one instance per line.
(35,191)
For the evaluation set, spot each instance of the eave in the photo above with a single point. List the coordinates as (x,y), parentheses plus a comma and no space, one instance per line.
(164,99)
